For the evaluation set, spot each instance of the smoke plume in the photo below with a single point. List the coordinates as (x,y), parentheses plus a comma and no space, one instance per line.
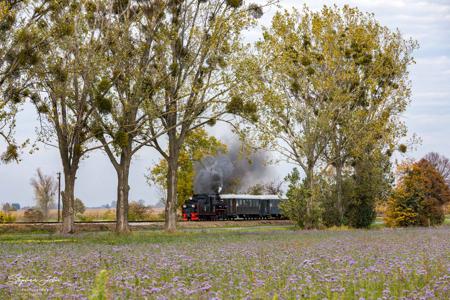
(232,172)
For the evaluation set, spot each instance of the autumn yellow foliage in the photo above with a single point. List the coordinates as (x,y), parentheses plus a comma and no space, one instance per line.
(419,197)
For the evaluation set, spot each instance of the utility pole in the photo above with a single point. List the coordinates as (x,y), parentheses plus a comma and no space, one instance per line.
(59,196)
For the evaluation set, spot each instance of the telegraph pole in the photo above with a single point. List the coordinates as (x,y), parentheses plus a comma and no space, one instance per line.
(59,195)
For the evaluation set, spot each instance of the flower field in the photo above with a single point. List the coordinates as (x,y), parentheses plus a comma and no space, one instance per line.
(273,263)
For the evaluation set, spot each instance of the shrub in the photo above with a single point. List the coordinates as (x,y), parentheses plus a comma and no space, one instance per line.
(295,206)
(33,215)
(137,211)
(419,197)
(6,217)
(79,206)
(109,215)
(85,218)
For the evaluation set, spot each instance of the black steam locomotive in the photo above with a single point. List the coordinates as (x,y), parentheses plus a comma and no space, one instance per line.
(230,207)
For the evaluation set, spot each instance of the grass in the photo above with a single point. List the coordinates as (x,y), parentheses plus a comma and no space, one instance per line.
(269,262)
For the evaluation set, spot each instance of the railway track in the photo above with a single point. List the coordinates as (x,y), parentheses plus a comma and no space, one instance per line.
(53,227)
(140,222)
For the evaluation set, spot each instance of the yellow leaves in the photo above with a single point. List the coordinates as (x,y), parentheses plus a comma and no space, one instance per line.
(198,145)
(418,197)
(4,10)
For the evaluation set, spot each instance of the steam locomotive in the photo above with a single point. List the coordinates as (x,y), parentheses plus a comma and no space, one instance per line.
(230,206)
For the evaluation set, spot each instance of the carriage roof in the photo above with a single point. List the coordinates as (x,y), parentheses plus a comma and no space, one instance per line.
(250,197)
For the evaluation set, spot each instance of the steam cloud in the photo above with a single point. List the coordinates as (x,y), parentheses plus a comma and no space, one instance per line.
(233,172)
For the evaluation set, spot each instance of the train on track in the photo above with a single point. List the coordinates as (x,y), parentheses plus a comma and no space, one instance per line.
(211,207)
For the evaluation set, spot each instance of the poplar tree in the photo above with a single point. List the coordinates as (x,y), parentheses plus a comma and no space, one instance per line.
(202,40)
(132,35)
(63,83)
(332,86)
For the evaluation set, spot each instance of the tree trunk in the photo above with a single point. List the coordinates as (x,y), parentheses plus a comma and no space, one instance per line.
(172,199)
(123,190)
(68,200)
(309,223)
(172,182)
(339,192)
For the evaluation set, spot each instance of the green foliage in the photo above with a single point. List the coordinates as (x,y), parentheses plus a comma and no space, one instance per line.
(100,289)
(85,218)
(330,87)
(121,139)
(11,153)
(234,3)
(198,145)
(372,183)
(246,109)
(79,206)
(137,211)
(7,217)
(109,215)
(419,197)
(296,205)
(366,182)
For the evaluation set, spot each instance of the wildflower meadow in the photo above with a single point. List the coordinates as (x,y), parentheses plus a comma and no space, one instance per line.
(264,263)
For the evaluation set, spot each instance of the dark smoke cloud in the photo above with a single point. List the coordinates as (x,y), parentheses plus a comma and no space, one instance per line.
(233,172)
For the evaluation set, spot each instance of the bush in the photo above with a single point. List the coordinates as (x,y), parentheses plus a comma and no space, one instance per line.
(33,215)
(7,217)
(79,206)
(85,218)
(295,206)
(419,197)
(109,215)
(137,211)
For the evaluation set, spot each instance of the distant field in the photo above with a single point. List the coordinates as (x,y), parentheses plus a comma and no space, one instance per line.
(91,214)
(240,263)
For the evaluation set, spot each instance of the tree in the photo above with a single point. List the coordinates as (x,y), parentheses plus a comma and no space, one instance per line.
(441,164)
(270,188)
(198,145)
(125,85)
(44,188)
(63,83)
(419,197)
(331,83)
(371,89)
(7,207)
(286,78)
(20,49)
(372,183)
(79,206)
(201,41)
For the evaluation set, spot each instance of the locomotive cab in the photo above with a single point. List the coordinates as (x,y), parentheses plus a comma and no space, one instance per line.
(204,207)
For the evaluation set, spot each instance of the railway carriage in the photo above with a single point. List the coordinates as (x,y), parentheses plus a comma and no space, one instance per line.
(231,206)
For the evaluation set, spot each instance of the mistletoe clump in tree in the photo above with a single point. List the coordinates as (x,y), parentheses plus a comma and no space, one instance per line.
(20,49)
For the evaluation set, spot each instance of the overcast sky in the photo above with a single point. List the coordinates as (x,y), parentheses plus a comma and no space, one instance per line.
(428,115)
